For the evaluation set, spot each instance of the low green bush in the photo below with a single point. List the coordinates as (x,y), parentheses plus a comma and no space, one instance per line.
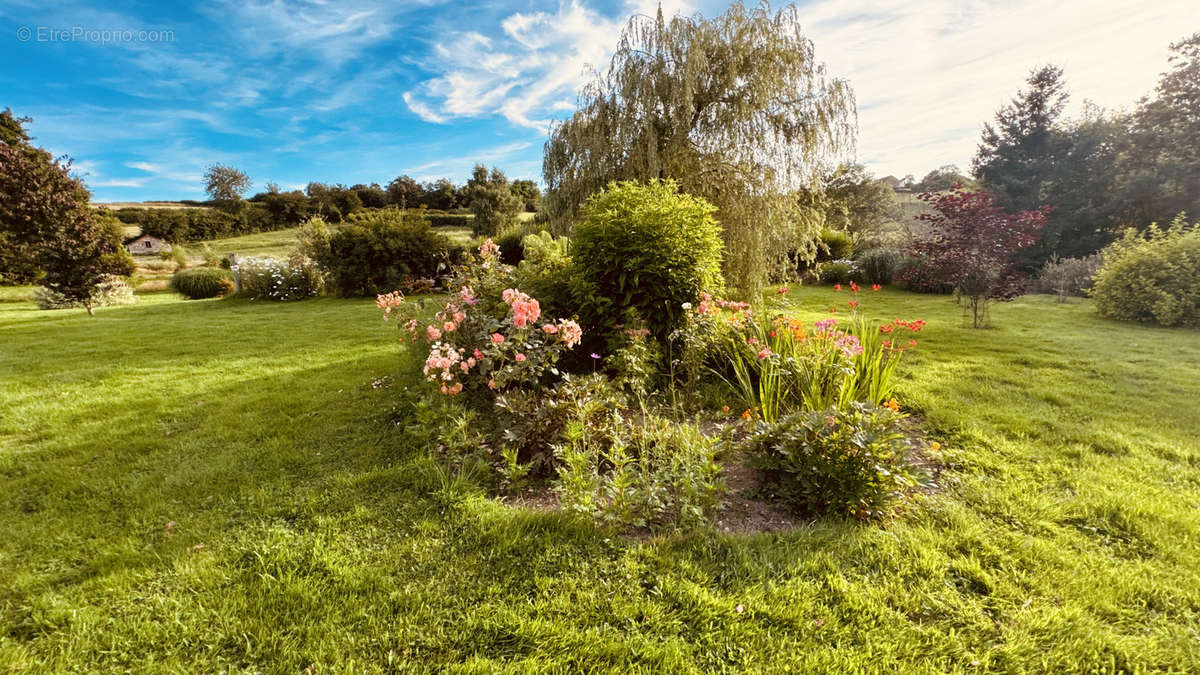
(466,220)
(838,272)
(1152,277)
(655,473)
(643,250)
(879,265)
(1067,277)
(835,245)
(112,291)
(852,462)
(203,282)
(377,251)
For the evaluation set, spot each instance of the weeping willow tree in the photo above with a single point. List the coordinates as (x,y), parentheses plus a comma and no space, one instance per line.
(736,109)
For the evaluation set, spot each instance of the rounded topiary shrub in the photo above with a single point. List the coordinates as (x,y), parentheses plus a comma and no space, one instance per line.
(202,282)
(1152,277)
(643,250)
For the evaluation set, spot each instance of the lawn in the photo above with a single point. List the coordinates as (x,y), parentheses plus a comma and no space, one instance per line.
(231,485)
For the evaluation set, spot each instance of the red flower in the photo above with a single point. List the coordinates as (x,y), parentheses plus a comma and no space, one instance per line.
(875,287)
(853,286)
(837,287)
(853,304)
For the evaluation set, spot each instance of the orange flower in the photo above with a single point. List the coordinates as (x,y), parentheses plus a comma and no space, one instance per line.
(935,446)
(746,414)
(893,405)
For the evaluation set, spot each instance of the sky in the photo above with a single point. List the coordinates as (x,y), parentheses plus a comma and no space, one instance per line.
(144,95)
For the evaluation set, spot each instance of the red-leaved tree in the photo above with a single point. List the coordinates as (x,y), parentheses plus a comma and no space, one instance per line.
(971,245)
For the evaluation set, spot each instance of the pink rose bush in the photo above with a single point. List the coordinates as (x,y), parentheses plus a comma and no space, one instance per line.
(480,342)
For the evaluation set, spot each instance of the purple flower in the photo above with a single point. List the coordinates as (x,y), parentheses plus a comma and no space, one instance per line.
(595,355)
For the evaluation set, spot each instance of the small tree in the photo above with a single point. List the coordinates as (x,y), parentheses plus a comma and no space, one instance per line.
(47,210)
(225,183)
(972,243)
(492,201)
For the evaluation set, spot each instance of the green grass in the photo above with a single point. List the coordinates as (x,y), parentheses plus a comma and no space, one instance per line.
(277,244)
(281,243)
(309,528)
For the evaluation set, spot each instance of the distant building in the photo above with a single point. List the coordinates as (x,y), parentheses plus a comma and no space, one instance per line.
(146,244)
(890,181)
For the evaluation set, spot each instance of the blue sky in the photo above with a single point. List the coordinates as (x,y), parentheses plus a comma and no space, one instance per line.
(353,91)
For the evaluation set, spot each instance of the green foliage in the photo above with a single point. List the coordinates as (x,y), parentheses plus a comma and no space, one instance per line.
(652,472)
(644,249)
(850,461)
(546,272)
(835,245)
(177,254)
(736,108)
(879,265)
(379,251)
(492,201)
(512,247)
(1152,277)
(282,280)
(199,224)
(776,366)
(225,183)
(856,202)
(465,220)
(838,272)
(45,214)
(1066,277)
(202,282)
(111,290)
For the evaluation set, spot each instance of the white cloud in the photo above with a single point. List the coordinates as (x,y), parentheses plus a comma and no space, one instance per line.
(523,73)
(929,73)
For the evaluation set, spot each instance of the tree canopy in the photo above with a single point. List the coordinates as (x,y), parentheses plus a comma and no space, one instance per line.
(225,183)
(737,109)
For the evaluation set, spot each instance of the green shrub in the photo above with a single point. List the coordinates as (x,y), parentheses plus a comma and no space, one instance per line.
(835,245)
(545,272)
(268,279)
(879,265)
(466,220)
(644,250)
(512,248)
(651,472)
(378,251)
(852,462)
(111,291)
(202,282)
(1066,277)
(1152,277)
(921,275)
(176,254)
(838,272)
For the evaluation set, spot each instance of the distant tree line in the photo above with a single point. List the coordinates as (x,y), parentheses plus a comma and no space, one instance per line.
(488,202)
